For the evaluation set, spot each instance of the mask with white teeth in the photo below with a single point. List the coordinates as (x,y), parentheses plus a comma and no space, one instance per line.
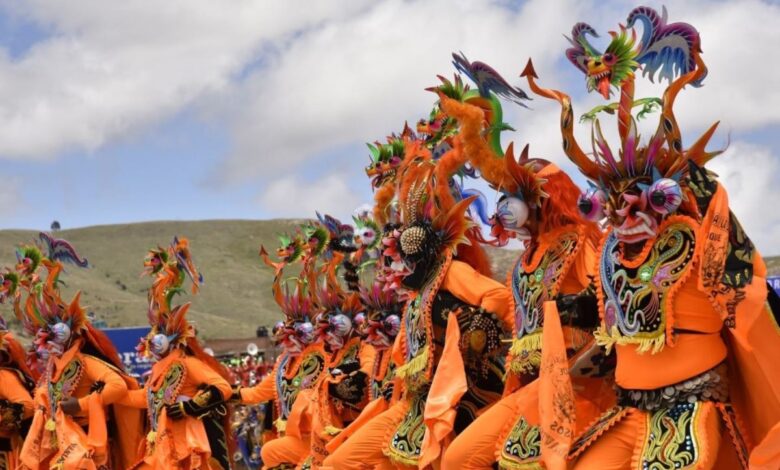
(634,207)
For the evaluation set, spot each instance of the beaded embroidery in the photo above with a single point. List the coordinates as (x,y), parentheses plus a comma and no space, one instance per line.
(63,387)
(417,370)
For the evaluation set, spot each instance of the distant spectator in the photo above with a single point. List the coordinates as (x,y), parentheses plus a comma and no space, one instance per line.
(262,331)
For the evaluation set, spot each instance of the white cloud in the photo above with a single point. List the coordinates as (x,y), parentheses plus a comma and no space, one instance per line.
(291,81)
(359,78)
(738,42)
(291,196)
(751,174)
(110,68)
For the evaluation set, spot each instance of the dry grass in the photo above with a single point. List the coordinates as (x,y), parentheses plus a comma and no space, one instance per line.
(235,298)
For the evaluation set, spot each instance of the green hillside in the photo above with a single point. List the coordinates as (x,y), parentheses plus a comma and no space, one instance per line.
(235,298)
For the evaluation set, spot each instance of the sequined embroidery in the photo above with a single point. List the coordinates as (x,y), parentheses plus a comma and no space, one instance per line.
(636,298)
(289,383)
(417,370)
(536,279)
(406,443)
(532,285)
(383,372)
(522,448)
(165,394)
(64,387)
(671,440)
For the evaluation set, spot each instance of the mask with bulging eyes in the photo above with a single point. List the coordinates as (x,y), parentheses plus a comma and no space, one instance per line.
(512,212)
(160,345)
(61,333)
(304,332)
(634,208)
(339,327)
(592,204)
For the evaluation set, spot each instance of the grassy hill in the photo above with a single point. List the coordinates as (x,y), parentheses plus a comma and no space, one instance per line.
(235,298)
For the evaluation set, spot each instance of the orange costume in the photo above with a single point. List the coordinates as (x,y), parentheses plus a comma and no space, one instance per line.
(293,374)
(378,328)
(538,206)
(16,403)
(341,396)
(185,394)
(446,348)
(294,382)
(76,423)
(344,390)
(682,292)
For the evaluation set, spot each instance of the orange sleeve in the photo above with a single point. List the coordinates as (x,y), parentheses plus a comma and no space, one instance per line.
(135,399)
(367,357)
(264,391)
(465,283)
(114,387)
(201,374)
(12,390)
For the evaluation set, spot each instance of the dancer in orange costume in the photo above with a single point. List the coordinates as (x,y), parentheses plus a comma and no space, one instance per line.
(681,289)
(452,323)
(538,207)
(379,324)
(77,422)
(299,368)
(378,328)
(184,395)
(17,382)
(344,391)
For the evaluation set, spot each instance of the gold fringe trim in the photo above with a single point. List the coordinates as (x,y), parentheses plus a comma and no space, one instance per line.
(50,425)
(608,339)
(511,465)
(526,353)
(281,425)
(526,343)
(415,365)
(400,458)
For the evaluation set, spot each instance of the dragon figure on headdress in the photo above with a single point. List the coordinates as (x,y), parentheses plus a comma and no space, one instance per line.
(665,49)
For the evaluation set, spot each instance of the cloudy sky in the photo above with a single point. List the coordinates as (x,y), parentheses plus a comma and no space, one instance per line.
(187,109)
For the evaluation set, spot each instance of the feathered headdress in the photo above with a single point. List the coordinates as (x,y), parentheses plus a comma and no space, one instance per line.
(169,269)
(429,222)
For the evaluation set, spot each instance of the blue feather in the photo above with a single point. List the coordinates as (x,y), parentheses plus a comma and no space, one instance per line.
(479,205)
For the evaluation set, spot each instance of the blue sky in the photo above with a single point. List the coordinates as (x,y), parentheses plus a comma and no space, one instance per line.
(189,110)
